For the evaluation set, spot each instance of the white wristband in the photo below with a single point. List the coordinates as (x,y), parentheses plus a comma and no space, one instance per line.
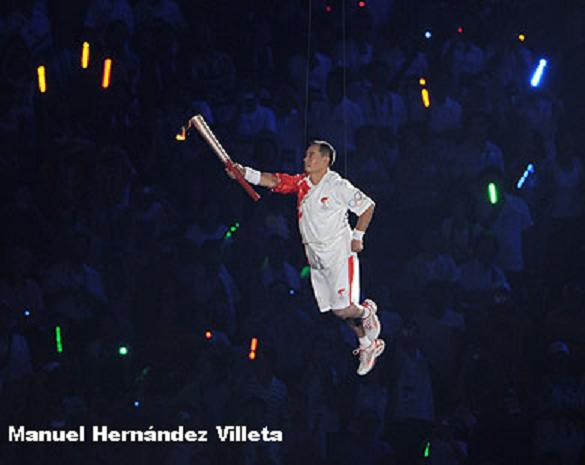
(252,176)
(358,235)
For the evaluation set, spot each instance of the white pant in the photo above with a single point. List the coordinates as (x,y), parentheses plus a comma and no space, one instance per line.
(337,287)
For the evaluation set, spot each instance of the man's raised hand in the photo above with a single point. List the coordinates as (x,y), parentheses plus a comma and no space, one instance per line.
(239,167)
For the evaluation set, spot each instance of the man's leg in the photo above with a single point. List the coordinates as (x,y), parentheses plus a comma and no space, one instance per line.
(352,311)
(353,315)
(346,290)
(369,349)
(356,327)
(337,288)
(367,323)
(361,317)
(345,294)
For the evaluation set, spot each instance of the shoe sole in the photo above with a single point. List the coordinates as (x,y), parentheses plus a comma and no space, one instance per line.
(379,351)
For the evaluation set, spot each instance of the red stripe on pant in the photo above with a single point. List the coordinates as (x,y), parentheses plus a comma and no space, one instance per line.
(350,272)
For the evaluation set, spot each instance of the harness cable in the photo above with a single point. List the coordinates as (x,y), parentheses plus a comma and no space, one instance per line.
(310,2)
(344,43)
(307,74)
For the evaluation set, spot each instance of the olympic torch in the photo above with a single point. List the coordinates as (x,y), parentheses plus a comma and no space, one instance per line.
(199,123)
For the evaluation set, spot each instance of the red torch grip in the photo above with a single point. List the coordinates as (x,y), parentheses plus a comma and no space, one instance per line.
(247,187)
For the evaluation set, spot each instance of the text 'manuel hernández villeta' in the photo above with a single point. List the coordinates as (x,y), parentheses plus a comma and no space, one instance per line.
(228,433)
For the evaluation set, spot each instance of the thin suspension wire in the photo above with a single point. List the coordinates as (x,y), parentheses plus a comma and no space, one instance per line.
(343,38)
(310,2)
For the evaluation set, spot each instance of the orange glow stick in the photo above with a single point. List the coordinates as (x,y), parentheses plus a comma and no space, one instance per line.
(85,55)
(107,73)
(42,79)
(425,98)
(253,347)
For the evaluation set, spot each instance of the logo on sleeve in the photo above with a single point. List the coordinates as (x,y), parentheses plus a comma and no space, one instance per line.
(357,200)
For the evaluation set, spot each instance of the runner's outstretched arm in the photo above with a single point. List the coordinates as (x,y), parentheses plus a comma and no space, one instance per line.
(269,180)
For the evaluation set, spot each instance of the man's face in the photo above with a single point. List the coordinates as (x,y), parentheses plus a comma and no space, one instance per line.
(315,161)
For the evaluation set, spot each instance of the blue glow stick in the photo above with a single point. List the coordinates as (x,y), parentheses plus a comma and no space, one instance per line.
(529,169)
(537,76)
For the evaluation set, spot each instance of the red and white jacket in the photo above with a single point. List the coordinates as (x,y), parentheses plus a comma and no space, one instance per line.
(322,212)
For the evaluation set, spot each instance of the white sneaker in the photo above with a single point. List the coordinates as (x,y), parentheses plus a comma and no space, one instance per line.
(371,324)
(368,356)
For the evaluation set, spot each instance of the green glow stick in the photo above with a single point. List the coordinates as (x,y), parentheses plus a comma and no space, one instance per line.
(231,230)
(427,450)
(58,339)
(493,193)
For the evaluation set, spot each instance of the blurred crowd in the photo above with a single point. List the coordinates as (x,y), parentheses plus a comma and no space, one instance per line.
(125,238)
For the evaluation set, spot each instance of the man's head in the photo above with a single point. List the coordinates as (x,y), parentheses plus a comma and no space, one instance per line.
(319,156)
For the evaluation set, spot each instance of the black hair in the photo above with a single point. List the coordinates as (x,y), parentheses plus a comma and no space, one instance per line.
(326,149)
